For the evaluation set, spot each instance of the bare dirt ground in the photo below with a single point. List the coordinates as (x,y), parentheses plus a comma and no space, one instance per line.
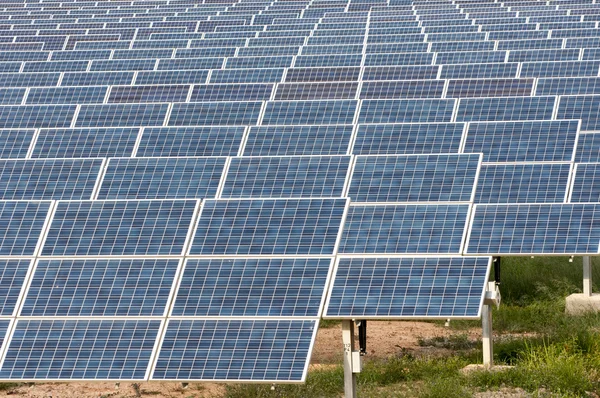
(384,339)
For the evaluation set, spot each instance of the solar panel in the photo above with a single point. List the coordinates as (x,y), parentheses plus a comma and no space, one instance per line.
(506,109)
(231,92)
(560,69)
(405,287)
(406,111)
(309,112)
(80,349)
(322,74)
(585,183)
(489,88)
(402,89)
(533,141)
(520,229)
(420,178)
(268,287)
(406,139)
(264,350)
(36,116)
(287,227)
(119,115)
(21,226)
(97,287)
(247,75)
(286,177)
(479,71)
(95,78)
(12,278)
(15,143)
(419,72)
(316,91)
(404,229)
(48,178)
(138,94)
(523,183)
(114,228)
(568,86)
(214,114)
(581,107)
(587,148)
(190,141)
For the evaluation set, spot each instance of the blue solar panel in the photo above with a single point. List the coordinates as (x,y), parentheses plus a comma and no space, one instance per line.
(479,71)
(48,179)
(138,94)
(533,141)
(535,228)
(298,140)
(444,287)
(36,116)
(120,115)
(84,142)
(399,59)
(523,183)
(190,63)
(21,226)
(560,69)
(11,96)
(568,86)
(66,95)
(587,148)
(268,227)
(418,72)
(12,278)
(100,288)
(581,107)
(231,92)
(15,143)
(247,75)
(309,112)
(190,141)
(585,184)
(259,62)
(119,228)
(506,109)
(323,74)
(404,229)
(252,287)
(286,177)
(264,350)
(408,139)
(328,60)
(171,77)
(489,88)
(420,178)
(161,178)
(316,91)
(215,114)
(539,55)
(80,349)
(470,57)
(95,78)
(402,89)
(406,111)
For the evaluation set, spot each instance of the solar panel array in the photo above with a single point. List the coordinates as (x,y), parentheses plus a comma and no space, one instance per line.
(188,187)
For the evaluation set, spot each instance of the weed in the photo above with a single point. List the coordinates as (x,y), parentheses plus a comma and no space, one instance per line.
(452,342)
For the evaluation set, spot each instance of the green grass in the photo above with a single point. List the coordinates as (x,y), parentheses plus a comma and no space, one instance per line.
(552,353)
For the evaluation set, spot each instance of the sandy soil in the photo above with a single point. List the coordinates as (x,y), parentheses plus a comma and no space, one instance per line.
(384,339)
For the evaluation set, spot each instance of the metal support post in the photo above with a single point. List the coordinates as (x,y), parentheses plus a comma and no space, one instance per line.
(488,345)
(349,375)
(587,276)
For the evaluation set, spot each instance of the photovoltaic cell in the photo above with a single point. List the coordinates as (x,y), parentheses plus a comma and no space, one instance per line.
(489,88)
(252,287)
(66,95)
(231,92)
(80,349)
(404,229)
(190,141)
(406,111)
(298,140)
(21,226)
(286,177)
(264,350)
(161,178)
(479,71)
(268,227)
(85,142)
(323,74)
(587,148)
(534,229)
(94,287)
(533,141)
(568,86)
(420,178)
(83,228)
(316,91)
(444,287)
(137,94)
(11,96)
(402,89)
(523,183)
(12,278)
(406,139)
(48,178)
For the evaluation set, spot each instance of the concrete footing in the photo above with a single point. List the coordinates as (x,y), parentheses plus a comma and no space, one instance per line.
(580,303)
(478,367)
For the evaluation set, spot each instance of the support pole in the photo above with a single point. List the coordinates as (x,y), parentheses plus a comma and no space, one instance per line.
(349,376)
(587,276)
(488,346)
